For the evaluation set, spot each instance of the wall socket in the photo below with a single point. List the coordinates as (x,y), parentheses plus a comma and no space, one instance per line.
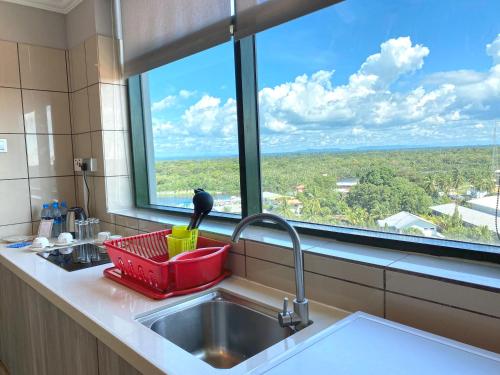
(77,164)
(90,164)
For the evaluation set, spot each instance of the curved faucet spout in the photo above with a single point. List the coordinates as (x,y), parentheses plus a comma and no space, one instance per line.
(300,316)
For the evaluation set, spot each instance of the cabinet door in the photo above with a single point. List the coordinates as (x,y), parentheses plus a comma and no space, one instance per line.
(38,338)
(15,336)
(111,363)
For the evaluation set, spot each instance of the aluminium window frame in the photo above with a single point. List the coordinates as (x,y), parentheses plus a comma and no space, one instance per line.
(250,172)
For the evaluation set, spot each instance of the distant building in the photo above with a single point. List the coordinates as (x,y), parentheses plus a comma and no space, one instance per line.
(346,184)
(469,216)
(404,221)
(274,200)
(485,204)
(475,193)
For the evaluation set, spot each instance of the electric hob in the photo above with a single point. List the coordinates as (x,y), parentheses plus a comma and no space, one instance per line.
(77,257)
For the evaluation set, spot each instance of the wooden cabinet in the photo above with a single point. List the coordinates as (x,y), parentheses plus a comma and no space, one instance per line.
(36,338)
(111,363)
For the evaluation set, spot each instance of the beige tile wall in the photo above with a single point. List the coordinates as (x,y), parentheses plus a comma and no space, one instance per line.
(100,126)
(35,120)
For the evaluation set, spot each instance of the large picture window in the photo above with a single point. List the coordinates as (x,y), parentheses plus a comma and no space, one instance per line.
(378,118)
(191,130)
(382,115)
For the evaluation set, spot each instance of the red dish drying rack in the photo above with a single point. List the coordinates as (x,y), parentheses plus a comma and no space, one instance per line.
(142,263)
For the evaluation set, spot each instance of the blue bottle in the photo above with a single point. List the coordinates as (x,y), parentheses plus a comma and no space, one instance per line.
(56,215)
(64,213)
(46,212)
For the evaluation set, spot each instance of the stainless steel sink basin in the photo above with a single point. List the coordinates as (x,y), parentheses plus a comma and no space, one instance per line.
(219,328)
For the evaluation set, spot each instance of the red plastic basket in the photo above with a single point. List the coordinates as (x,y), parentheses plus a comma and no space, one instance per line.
(143,260)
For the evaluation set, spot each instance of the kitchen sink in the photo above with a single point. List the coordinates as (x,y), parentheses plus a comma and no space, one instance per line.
(218,327)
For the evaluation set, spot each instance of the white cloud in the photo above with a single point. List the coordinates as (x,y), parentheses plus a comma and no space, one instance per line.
(166,102)
(185,94)
(396,57)
(357,130)
(209,116)
(493,50)
(171,100)
(311,112)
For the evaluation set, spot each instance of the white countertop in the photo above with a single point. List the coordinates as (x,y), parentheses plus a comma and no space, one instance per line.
(108,311)
(358,344)
(365,344)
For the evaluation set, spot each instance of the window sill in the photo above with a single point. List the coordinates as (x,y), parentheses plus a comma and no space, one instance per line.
(482,275)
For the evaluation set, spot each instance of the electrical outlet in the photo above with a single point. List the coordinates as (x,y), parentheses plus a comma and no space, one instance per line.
(77,164)
(91,164)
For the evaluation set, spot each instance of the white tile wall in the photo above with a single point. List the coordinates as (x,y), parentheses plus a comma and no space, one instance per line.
(43,68)
(49,155)
(343,294)
(80,119)
(446,293)
(15,206)
(271,253)
(11,113)
(15,229)
(13,163)
(9,68)
(77,67)
(271,274)
(46,112)
(150,226)
(29,118)
(236,263)
(467,327)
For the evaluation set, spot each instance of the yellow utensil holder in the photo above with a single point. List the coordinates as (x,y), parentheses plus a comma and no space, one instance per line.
(181,240)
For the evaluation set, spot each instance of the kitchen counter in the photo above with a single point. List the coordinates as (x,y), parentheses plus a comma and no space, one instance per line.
(108,311)
(336,343)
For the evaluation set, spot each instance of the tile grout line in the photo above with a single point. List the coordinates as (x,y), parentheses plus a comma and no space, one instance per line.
(68,83)
(445,305)
(319,274)
(446,280)
(24,222)
(91,193)
(25,138)
(33,89)
(385,294)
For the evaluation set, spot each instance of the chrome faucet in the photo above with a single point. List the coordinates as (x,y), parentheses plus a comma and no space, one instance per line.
(299,317)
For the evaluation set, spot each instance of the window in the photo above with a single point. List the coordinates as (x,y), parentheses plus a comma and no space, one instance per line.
(382,116)
(366,121)
(191,130)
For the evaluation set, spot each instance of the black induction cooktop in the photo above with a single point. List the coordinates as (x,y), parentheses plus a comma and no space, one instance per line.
(77,257)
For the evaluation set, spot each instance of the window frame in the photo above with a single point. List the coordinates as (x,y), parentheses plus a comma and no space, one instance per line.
(250,172)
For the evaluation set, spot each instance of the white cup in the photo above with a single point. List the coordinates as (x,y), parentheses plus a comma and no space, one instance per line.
(40,243)
(64,238)
(103,236)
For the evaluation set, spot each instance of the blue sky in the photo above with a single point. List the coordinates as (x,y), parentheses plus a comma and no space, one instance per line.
(361,73)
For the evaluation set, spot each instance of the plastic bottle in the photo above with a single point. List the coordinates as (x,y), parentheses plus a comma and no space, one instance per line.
(46,212)
(56,215)
(64,213)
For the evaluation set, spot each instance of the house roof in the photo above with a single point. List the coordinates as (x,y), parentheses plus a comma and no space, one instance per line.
(403,220)
(468,215)
(489,202)
(348,182)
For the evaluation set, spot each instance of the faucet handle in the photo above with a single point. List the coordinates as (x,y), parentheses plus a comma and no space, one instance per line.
(285,305)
